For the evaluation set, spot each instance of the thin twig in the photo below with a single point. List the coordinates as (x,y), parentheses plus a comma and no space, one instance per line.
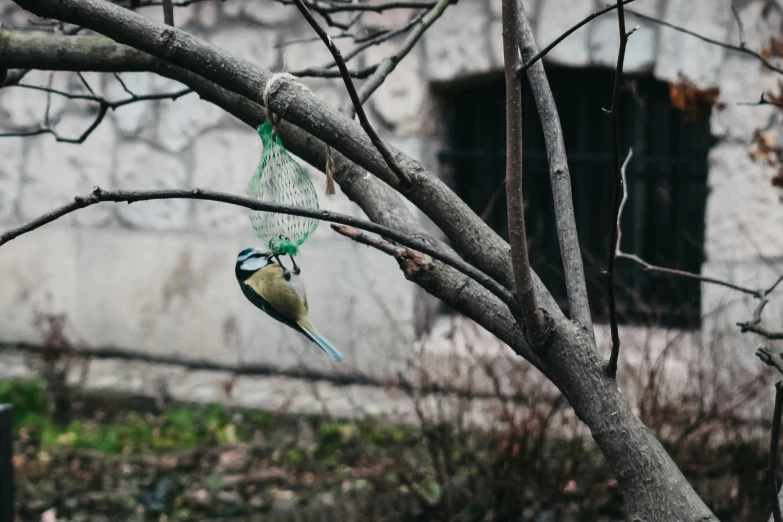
(99,196)
(754,328)
(559,179)
(565,35)
(739,23)
(762,101)
(730,47)
(523,279)
(357,104)
(103,107)
(390,63)
(617,193)
(168,12)
(772,467)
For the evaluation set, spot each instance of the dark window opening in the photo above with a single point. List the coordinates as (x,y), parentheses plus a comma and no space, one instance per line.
(663,219)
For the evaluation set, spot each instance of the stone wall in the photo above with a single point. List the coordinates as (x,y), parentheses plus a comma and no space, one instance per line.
(157,277)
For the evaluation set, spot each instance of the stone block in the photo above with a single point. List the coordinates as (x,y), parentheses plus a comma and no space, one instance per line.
(167,294)
(38,276)
(742,208)
(248,42)
(680,53)
(182,120)
(12,150)
(399,101)
(555,18)
(268,12)
(132,118)
(642,45)
(142,166)
(224,160)
(457,45)
(55,172)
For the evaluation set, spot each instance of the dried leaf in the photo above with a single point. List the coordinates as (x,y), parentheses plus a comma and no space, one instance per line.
(694,102)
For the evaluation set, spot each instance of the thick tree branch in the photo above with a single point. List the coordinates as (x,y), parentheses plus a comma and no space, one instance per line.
(523,280)
(617,192)
(560,179)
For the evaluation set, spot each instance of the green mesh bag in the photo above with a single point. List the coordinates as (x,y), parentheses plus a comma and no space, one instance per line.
(280,179)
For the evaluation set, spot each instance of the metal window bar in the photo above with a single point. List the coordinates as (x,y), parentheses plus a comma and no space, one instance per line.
(663,220)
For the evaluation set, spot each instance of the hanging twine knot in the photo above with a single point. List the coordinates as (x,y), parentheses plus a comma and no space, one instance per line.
(274,119)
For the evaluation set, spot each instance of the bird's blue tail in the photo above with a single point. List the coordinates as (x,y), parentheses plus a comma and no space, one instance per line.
(324,344)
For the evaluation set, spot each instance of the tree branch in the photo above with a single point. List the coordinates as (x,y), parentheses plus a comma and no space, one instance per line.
(523,281)
(560,179)
(537,56)
(738,48)
(617,192)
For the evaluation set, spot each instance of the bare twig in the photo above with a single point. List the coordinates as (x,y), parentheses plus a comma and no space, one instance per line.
(357,104)
(772,467)
(389,63)
(529,63)
(523,280)
(739,23)
(730,47)
(559,178)
(99,196)
(168,12)
(322,7)
(617,193)
(762,101)
(750,327)
(365,43)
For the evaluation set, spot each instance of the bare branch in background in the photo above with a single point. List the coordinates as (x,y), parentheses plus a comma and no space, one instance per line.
(364,44)
(739,23)
(168,12)
(530,61)
(523,281)
(617,191)
(103,107)
(772,468)
(559,178)
(738,48)
(357,103)
(389,63)
(762,101)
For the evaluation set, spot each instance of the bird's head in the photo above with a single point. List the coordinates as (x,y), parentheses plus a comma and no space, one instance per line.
(250,260)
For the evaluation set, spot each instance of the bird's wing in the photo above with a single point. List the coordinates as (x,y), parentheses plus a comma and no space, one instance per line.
(279,296)
(254,297)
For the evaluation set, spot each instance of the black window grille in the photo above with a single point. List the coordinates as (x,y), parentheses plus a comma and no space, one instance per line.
(663,220)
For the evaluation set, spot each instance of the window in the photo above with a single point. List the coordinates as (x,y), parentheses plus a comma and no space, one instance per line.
(663,220)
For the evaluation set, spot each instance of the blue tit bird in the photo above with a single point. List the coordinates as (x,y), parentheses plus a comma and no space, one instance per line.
(280,293)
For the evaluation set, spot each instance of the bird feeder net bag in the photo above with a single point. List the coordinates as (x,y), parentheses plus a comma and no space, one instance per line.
(280,179)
